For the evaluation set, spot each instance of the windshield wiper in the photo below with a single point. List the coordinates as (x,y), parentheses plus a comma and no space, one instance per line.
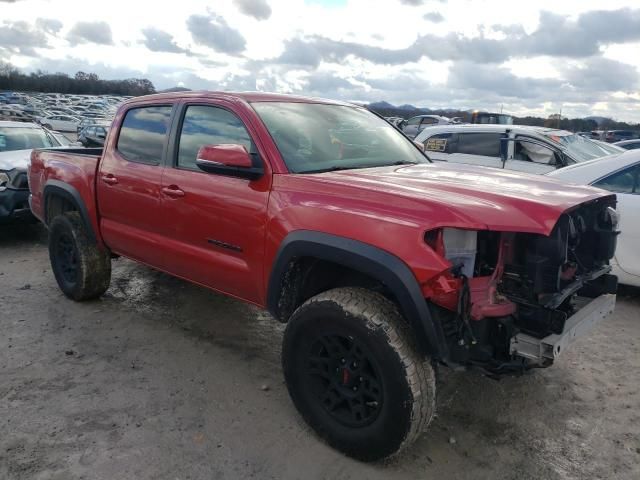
(336,168)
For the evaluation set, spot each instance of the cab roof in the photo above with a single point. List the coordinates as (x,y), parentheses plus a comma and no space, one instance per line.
(242,96)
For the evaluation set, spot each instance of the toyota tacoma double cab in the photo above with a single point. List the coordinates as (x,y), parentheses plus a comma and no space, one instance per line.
(383,264)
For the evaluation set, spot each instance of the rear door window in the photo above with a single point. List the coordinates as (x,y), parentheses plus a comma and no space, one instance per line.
(143,134)
(485,144)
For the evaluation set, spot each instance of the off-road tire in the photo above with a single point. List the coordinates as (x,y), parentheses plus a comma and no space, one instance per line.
(92,264)
(406,377)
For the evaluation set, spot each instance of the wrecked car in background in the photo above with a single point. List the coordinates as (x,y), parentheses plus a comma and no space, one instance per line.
(17,140)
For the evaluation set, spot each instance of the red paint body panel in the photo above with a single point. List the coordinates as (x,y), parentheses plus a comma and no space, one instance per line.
(138,214)
(78,171)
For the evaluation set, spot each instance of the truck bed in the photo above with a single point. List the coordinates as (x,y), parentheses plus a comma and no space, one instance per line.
(70,169)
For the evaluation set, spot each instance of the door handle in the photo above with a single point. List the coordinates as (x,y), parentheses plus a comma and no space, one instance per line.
(173,191)
(109,179)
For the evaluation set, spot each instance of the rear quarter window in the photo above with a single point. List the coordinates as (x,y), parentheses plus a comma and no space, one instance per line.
(143,134)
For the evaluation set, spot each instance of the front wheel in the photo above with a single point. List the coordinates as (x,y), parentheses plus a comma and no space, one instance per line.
(353,373)
(82,270)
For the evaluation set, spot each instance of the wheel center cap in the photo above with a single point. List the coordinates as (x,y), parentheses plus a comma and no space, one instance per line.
(346,376)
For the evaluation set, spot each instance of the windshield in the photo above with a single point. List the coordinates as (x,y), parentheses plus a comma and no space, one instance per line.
(24,138)
(316,137)
(577,147)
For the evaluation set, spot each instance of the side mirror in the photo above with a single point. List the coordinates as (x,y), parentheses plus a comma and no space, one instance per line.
(419,145)
(228,159)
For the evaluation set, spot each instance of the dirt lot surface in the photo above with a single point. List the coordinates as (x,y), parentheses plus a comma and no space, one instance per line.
(161,379)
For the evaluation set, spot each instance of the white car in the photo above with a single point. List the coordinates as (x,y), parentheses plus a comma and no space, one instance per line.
(512,147)
(17,140)
(417,124)
(629,144)
(61,123)
(619,174)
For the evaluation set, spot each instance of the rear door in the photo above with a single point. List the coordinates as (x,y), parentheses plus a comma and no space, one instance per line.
(626,185)
(477,148)
(216,223)
(129,182)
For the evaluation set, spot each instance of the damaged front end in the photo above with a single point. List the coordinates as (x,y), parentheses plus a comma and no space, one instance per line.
(513,301)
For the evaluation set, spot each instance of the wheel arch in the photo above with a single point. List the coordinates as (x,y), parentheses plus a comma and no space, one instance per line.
(55,189)
(368,260)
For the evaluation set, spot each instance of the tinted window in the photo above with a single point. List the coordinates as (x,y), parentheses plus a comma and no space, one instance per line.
(209,126)
(143,134)
(429,121)
(487,144)
(413,121)
(625,181)
(90,131)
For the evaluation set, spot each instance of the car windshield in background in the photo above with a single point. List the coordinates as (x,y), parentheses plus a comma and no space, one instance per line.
(579,148)
(315,137)
(18,138)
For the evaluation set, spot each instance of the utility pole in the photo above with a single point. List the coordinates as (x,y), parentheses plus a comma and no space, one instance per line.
(559,116)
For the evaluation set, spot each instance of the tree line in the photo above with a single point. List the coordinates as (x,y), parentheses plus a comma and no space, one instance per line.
(81,83)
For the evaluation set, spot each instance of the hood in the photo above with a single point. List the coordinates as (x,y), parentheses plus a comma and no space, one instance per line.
(463,196)
(15,159)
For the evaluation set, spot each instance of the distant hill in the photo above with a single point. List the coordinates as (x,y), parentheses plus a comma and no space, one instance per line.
(599,120)
(375,105)
(175,89)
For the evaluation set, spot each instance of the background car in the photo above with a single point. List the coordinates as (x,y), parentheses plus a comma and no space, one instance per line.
(93,135)
(629,144)
(613,136)
(415,125)
(619,174)
(530,149)
(61,123)
(17,140)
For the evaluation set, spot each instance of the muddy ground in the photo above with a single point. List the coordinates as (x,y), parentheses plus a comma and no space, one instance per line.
(161,379)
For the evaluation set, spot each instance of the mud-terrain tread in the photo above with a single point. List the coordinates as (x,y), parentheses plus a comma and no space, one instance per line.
(95,263)
(381,314)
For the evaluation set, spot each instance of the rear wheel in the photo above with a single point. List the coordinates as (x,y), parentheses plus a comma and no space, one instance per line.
(354,375)
(82,270)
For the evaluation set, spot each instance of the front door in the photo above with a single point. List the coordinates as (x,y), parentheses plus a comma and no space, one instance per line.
(215,224)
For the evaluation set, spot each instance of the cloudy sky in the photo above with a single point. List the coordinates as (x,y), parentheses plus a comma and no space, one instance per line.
(531,57)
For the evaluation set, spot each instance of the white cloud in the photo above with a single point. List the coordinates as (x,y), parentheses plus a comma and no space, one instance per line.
(530,58)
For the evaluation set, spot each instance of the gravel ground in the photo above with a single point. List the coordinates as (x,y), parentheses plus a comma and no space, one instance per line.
(161,379)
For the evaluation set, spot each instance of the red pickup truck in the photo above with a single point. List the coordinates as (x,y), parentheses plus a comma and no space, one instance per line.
(383,264)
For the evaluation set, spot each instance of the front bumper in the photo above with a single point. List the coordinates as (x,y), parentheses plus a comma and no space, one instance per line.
(544,350)
(14,205)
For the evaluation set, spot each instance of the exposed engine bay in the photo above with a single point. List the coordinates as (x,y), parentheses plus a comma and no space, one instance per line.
(511,300)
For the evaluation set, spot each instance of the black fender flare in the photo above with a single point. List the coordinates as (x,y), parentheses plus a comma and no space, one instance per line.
(369,260)
(69,193)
